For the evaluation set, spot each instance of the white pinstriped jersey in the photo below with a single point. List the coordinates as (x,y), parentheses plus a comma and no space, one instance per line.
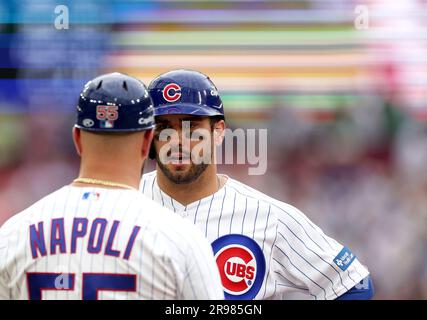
(264,248)
(98,243)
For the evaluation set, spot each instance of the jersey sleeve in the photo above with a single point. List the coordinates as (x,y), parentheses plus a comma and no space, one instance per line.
(4,290)
(201,279)
(307,261)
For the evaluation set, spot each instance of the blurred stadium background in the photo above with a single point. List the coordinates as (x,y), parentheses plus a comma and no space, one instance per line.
(345,107)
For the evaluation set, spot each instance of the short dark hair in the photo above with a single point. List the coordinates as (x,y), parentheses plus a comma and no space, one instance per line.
(213,120)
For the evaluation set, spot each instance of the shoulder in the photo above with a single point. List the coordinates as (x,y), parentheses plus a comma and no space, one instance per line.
(277,207)
(284,217)
(19,220)
(175,225)
(147,179)
(24,218)
(148,176)
(3,247)
(3,242)
(177,236)
(12,231)
(161,218)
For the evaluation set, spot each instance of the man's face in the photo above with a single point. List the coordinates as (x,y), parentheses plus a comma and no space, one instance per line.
(184,146)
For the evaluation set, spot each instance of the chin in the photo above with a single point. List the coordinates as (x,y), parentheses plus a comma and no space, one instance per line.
(182,173)
(179,168)
(181,178)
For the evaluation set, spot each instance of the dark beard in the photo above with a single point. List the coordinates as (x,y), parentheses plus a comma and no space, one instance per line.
(193,174)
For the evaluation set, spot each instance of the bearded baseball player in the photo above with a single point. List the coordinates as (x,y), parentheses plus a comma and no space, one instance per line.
(264,248)
(99,237)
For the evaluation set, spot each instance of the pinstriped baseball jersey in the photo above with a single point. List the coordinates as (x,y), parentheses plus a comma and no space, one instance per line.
(264,248)
(98,243)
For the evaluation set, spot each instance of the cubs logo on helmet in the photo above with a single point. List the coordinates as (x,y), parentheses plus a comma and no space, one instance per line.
(241,265)
(172,92)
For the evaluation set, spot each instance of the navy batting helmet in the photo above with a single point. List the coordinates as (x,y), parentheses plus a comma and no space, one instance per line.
(185,92)
(115,102)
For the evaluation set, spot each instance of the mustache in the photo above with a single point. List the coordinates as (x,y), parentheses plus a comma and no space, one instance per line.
(182,153)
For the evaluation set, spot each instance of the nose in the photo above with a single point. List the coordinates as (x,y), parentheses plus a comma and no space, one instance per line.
(175,139)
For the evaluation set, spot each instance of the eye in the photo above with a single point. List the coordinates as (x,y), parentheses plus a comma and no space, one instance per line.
(160,127)
(158,130)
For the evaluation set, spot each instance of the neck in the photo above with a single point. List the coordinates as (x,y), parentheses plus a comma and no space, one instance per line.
(203,186)
(112,172)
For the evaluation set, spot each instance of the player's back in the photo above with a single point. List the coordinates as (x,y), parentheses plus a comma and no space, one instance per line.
(97,243)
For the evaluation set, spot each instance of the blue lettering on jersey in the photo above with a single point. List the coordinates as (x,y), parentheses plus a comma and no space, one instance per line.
(57,236)
(91,247)
(131,242)
(79,231)
(344,259)
(98,232)
(109,249)
(37,242)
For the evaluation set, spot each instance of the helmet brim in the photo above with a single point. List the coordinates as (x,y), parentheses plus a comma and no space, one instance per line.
(188,109)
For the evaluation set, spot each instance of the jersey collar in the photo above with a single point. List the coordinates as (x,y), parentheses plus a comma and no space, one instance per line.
(172,204)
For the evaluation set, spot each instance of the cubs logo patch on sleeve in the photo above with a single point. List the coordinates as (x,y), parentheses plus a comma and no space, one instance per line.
(241,265)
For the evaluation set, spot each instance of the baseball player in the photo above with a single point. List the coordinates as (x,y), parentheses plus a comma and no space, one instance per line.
(99,237)
(264,248)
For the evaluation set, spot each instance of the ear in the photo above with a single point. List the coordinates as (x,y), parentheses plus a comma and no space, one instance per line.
(77,140)
(219,132)
(148,137)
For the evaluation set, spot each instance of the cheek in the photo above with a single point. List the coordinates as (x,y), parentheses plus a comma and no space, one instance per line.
(196,144)
(202,146)
(159,144)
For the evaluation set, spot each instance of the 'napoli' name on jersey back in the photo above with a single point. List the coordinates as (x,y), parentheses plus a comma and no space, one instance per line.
(99,231)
